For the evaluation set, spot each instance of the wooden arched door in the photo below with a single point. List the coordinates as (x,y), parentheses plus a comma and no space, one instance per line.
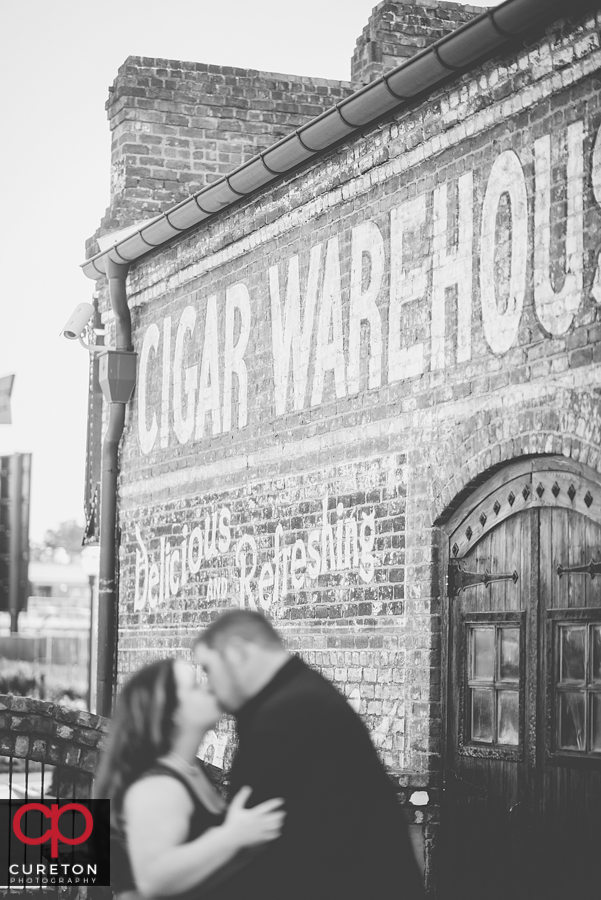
(521,809)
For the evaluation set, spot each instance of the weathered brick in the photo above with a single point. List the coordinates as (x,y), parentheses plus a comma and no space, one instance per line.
(21,746)
(64,732)
(582,357)
(7,744)
(41,721)
(263,464)
(188,111)
(38,750)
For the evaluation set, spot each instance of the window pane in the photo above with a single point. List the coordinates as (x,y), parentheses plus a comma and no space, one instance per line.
(510,654)
(482,702)
(571,721)
(483,653)
(508,717)
(597,653)
(596,729)
(572,653)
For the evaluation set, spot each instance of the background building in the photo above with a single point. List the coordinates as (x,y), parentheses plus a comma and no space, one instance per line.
(367,403)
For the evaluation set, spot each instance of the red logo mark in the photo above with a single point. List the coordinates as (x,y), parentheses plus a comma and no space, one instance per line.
(53,812)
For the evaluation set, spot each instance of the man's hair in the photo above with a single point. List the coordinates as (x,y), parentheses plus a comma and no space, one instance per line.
(240,623)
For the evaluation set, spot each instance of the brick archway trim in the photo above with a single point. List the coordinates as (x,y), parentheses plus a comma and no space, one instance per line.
(480,448)
(49,733)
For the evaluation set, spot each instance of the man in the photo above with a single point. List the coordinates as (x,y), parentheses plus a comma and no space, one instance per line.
(344,836)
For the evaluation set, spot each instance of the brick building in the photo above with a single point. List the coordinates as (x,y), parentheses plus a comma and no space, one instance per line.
(367,402)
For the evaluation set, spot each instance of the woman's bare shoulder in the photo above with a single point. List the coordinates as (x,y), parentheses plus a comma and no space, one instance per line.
(155,791)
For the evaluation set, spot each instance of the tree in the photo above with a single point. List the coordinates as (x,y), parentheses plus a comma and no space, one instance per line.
(67,536)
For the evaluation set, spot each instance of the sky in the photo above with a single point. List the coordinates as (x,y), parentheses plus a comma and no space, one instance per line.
(59,59)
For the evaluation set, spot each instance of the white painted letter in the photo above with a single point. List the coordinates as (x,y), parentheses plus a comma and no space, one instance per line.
(298,565)
(246,545)
(329,355)
(452,268)
(140,594)
(147,436)
(406,284)
(184,425)
(556,309)
(368,560)
(174,579)
(596,289)
(166,381)
(236,298)
(195,562)
(208,391)
(501,326)
(265,582)
(367,240)
(154,578)
(287,332)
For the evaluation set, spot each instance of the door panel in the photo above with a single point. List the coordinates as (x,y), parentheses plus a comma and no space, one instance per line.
(486,771)
(521,813)
(569,758)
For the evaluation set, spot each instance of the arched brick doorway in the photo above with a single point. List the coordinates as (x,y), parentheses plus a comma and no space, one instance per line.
(521,804)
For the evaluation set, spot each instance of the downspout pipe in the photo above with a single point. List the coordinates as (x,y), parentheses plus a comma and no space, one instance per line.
(117,378)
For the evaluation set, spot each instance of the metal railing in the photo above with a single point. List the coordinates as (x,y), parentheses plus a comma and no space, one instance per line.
(47,754)
(51,647)
(26,779)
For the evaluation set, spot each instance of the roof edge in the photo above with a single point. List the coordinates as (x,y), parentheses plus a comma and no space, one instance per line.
(453,55)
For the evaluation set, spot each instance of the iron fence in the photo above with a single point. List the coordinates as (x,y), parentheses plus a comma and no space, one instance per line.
(32,732)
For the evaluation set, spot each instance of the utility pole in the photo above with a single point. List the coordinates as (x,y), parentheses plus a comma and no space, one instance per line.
(15,487)
(6,386)
(15,481)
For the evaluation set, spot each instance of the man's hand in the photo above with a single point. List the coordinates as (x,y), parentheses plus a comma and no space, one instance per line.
(257,825)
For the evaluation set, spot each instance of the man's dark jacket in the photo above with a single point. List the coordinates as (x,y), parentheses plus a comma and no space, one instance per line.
(345,837)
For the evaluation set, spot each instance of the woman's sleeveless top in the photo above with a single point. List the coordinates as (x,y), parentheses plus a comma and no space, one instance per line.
(201,820)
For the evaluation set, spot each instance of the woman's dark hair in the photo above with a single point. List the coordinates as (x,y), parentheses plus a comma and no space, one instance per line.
(141,731)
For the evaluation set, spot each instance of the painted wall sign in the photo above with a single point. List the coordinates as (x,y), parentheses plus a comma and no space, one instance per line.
(342,541)
(379,314)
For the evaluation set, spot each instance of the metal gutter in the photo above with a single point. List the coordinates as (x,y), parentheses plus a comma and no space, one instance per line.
(453,54)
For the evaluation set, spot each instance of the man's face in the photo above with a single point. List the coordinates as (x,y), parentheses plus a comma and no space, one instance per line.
(223,677)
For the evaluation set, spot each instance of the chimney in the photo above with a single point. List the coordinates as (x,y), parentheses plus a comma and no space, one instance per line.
(399,30)
(178,126)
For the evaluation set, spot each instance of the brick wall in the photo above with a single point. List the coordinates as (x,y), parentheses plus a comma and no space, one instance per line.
(69,739)
(396,31)
(177,126)
(454,410)
(335,354)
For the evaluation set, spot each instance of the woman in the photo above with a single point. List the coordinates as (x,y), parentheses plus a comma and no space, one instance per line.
(171,831)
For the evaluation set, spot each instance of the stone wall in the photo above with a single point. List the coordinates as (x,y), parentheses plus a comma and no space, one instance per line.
(70,739)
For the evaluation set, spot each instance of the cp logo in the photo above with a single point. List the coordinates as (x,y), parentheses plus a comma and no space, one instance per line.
(53,812)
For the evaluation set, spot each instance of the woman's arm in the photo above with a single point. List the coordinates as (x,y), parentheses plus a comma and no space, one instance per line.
(157,814)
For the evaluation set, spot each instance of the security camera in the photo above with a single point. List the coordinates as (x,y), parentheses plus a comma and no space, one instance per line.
(77,321)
